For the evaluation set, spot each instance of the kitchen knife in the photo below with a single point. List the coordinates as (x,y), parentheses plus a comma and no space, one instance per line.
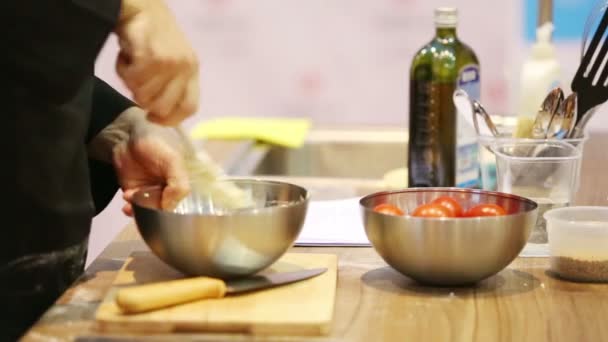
(154,296)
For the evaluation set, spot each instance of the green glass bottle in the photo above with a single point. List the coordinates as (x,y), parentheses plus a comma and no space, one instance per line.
(438,68)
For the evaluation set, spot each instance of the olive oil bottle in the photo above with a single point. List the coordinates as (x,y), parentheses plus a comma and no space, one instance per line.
(442,148)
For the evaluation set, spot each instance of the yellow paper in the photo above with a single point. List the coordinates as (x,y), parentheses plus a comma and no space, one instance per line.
(277,131)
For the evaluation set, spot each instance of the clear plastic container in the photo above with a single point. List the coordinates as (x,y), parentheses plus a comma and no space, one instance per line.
(578,243)
(545,171)
(506,126)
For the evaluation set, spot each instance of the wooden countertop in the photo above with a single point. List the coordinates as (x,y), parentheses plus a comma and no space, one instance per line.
(375,303)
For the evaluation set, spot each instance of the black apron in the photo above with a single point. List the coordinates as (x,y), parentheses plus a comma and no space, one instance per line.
(54,190)
(50,107)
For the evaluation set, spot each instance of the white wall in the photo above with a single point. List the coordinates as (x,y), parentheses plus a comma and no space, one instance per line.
(334,61)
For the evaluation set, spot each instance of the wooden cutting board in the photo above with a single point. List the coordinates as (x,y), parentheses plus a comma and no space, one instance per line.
(302,308)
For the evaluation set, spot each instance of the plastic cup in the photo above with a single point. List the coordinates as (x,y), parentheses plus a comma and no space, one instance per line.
(487,159)
(545,171)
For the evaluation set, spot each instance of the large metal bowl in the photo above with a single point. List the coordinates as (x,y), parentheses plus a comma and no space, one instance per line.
(198,238)
(448,251)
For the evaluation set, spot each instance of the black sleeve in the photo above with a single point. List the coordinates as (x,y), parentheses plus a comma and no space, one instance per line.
(107,104)
(50,46)
(104,184)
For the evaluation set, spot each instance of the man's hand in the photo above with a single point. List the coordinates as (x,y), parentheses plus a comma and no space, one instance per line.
(156,62)
(149,159)
(144,154)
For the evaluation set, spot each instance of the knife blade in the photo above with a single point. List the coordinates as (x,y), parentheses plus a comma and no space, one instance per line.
(259,282)
(148,297)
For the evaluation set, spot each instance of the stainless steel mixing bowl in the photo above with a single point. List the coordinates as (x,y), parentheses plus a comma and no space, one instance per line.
(448,251)
(199,238)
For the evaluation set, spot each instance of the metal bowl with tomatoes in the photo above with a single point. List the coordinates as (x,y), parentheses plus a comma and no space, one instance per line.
(448,236)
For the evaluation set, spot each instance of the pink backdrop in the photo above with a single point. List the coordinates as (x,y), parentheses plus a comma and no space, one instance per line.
(335,61)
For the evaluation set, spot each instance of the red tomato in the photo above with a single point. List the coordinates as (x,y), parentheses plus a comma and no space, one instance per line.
(485,209)
(449,203)
(388,209)
(432,210)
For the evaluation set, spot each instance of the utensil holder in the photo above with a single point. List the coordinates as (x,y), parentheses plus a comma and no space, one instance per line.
(487,159)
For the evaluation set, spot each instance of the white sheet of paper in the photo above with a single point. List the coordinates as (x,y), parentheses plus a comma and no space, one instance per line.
(333,223)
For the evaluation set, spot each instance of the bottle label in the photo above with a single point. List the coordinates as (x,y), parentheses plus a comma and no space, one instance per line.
(467,148)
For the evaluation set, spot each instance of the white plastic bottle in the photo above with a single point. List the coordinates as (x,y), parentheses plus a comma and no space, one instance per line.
(541,72)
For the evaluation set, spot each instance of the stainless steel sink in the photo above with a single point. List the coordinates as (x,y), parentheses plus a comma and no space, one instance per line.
(333,163)
(364,154)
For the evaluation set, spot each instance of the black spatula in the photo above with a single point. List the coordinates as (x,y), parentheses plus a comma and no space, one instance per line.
(592,74)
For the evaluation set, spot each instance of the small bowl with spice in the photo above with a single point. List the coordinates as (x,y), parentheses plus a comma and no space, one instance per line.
(578,240)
